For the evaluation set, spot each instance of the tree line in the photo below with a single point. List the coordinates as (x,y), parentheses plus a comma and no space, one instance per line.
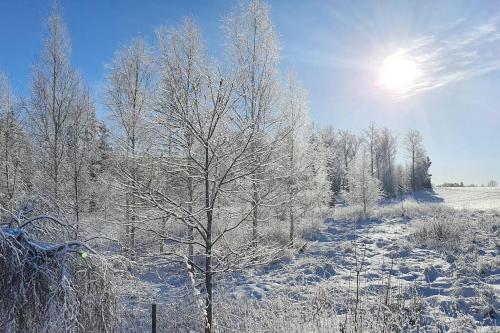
(201,158)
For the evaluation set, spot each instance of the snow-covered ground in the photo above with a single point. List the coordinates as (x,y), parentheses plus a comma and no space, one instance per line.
(470,197)
(434,269)
(458,284)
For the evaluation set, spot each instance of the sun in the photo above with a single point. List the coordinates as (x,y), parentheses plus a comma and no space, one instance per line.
(398,73)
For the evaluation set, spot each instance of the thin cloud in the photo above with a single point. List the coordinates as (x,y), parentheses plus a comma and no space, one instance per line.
(468,53)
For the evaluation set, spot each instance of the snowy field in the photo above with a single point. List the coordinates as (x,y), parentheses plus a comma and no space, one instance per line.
(470,197)
(454,279)
(435,269)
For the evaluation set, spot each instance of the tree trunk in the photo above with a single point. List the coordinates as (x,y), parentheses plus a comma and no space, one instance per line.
(292,223)
(127,219)
(364,208)
(190,210)
(162,233)
(208,280)
(77,201)
(208,250)
(134,193)
(413,185)
(255,215)
(208,298)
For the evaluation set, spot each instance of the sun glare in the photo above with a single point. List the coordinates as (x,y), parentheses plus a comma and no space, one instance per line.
(398,73)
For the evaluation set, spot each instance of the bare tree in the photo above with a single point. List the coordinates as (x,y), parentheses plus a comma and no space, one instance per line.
(386,155)
(80,142)
(419,163)
(295,128)
(348,144)
(180,92)
(364,190)
(371,138)
(15,152)
(403,185)
(129,85)
(53,94)
(199,120)
(223,157)
(317,192)
(335,169)
(254,51)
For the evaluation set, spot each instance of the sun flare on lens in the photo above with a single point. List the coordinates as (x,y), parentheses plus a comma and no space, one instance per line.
(398,73)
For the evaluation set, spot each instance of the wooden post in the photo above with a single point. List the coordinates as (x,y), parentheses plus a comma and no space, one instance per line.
(153,318)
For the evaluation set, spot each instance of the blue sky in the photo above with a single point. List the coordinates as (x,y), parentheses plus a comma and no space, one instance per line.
(337,48)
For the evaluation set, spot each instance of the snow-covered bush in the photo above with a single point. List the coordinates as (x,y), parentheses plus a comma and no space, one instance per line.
(46,287)
(439,232)
(454,231)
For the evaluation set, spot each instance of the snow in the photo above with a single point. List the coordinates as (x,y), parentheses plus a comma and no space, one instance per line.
(470,197)
(329,261)
(457,280)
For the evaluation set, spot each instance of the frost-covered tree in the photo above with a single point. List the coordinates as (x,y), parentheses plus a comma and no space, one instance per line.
(205,146)
(419,162)
(317,193)
(15,152)
(179,96)
(381,146)
(364,190)
(100,169)
(80,148)
(54,87)
(334,162)
(254,53)
(347,145)
(402,184)
(222,158)
(385,160)
(303,162)
(295,130)
(370,136)
(128,92)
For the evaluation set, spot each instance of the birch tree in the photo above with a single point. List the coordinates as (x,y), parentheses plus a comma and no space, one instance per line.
(403,184)
(385,157)
(307,189)
(53,93)
(180,93)
(295,128)
(347,144)
(329,139)
(222,158)
(371,139)
(199,119)
(416,153)
(129,85)
(364,190)
(318,192)
(254,51)
(80,143)
(15,152)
